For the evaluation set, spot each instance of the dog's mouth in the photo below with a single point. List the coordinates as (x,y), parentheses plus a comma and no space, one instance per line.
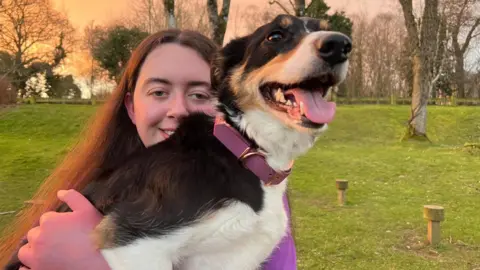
(302,102)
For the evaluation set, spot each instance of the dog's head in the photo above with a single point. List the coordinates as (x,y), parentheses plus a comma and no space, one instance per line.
(277,77)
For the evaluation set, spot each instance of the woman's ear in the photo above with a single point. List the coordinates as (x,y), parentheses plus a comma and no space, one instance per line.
(128,102)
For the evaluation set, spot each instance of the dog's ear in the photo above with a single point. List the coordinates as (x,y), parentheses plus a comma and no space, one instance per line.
(230,56)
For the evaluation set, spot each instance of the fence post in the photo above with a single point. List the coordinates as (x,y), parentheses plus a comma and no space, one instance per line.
(434,214)
(342,186)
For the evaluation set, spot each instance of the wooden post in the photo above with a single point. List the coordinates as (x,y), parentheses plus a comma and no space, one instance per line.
(342,186)
(434,214)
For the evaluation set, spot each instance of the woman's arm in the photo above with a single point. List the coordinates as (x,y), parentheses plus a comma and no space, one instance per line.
(62,240)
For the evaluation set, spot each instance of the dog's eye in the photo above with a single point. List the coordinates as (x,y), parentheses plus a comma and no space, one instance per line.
(275,37)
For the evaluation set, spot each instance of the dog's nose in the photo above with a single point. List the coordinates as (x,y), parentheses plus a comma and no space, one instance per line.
(334,48)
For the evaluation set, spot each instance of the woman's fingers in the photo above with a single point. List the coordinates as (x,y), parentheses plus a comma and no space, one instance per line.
(75,200)
(25,255)
(46,218)
(32,235)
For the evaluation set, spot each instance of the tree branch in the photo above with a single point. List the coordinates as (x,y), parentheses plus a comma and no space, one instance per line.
(292,4)
(470,35)
(271,2)
(410,23)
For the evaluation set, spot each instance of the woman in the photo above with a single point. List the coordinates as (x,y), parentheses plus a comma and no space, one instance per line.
(167,76)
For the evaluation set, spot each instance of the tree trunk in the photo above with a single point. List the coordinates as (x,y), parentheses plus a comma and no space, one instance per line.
(459,74)
(418,119)
(424,45)
(300,8)
(169,6)
(218,22)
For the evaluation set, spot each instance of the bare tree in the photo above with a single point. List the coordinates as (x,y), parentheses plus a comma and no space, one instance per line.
(355,80)
(30,28)
(148,15)
(91,69)
(297,7)
(218,21)
(193,15)
(377,62)
(155,15)
(424,46)
(464,18)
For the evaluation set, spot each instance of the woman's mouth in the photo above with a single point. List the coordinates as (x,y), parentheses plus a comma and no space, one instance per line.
(166,133)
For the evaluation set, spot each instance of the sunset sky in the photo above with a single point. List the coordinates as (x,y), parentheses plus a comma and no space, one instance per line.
(102,11)
(81,12)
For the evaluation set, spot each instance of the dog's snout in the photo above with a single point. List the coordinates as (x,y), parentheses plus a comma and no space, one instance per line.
(334,48)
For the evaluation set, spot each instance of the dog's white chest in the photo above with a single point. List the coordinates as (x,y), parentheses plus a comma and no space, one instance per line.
(234,237)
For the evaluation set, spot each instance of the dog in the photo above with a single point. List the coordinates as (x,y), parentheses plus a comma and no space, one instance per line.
(210,196)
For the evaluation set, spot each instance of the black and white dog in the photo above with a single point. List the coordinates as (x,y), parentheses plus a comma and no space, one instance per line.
(210,196)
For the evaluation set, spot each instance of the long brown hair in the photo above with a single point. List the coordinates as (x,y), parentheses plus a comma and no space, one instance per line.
(109,136)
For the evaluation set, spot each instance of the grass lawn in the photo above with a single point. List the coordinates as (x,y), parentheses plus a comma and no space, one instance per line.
(382,225)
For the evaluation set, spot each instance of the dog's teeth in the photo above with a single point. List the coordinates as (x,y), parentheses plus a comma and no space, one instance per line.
(295,104)
(289,103)
(279,96)
(302,112)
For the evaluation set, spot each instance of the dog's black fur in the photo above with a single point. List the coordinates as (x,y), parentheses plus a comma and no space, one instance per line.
(172,183)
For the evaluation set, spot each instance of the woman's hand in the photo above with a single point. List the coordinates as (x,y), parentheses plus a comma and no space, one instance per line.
(62,240)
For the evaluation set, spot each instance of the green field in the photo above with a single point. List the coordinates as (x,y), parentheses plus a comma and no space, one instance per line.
(382,225)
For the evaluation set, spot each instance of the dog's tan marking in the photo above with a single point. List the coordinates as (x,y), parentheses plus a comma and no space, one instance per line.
(281,58)
(104,233)
(324,25)
(246,91)
(286,22)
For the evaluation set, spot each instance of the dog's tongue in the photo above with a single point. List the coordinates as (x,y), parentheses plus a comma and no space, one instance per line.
(316,108)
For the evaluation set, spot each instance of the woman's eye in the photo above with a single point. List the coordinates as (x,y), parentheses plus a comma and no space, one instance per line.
(159,93)
(200,96)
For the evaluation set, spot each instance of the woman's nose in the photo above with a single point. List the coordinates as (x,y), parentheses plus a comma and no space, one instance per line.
(178,107)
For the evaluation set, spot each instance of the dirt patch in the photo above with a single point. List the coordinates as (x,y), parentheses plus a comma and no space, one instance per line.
(413,242)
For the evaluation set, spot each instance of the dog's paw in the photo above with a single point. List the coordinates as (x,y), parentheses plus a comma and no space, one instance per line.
(104,234)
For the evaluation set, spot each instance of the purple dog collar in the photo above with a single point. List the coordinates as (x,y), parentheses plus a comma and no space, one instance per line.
(251,159)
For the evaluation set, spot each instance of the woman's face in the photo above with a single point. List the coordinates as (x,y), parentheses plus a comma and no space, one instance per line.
(173,82)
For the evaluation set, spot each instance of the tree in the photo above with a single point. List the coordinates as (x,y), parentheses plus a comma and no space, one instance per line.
(146,15)
(37,86)
(154,15)
(169,9)
(92,34)
(424,45)
(32,30)
(114,47)
(7,64)
(218,21)
(464,18)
